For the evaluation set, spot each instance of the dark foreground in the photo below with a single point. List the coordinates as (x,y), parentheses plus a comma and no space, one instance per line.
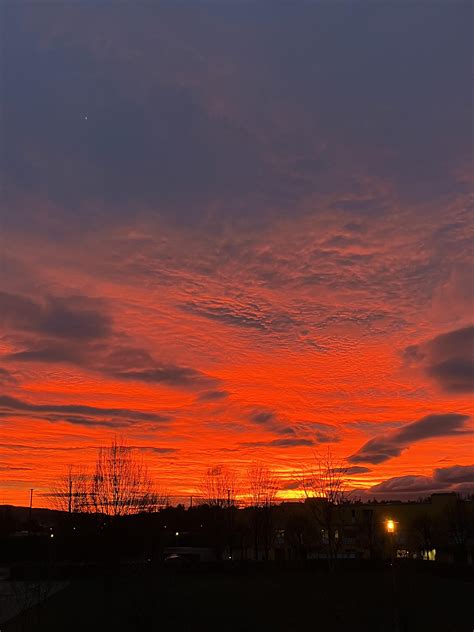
(257,599)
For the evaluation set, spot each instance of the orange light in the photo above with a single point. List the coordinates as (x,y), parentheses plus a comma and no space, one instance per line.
(390,525)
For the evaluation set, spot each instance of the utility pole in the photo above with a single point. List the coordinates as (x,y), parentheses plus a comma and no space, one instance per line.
(70,494)
(31,507)
(229,523)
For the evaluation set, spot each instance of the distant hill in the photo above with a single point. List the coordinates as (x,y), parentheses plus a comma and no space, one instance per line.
(22,514)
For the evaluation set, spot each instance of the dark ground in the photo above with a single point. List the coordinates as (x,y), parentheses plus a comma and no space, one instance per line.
(278,600)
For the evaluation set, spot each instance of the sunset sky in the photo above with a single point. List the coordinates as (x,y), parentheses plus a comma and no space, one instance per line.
(236,232)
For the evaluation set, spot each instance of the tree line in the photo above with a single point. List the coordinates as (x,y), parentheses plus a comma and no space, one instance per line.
(121,485)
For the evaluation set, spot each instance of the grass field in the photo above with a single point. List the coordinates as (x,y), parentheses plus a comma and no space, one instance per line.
(280,600)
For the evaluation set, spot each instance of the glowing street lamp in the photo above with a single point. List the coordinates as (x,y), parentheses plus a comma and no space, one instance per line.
(391,527)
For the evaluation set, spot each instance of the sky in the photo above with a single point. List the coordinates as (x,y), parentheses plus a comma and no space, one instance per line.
(237,232)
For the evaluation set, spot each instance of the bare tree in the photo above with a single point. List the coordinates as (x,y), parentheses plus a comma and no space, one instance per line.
(263,487)
(326,489)
(421,533)
(459,516)
(219,486)
(70,492)
(121,485)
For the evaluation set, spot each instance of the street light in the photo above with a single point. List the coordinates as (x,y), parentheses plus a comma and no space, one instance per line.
(391,527)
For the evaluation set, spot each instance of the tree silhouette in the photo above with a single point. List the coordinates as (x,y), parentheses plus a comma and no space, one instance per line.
(120,484)
(326,490)
(219,486)
(219,490)
(263,486)
(70,492)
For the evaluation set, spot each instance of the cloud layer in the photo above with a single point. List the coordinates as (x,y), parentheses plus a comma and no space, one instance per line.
(456,478)
(236,234)
(79,414)
(448,359)
(385,447)
(68,330)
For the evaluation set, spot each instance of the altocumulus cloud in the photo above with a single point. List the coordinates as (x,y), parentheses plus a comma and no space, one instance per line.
(76,317)
(448,359)
(75,330)
(456,478)
(454,474)
(269,420)
(79,414)
(310,432)
(136,364)
(6,377)
(384,447)
(405,484)
(289,442)
(212,396)
(261,317)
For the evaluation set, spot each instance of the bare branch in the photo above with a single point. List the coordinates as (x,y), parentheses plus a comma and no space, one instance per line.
(263,485)
(70,493)
(121,485)
(219,486)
